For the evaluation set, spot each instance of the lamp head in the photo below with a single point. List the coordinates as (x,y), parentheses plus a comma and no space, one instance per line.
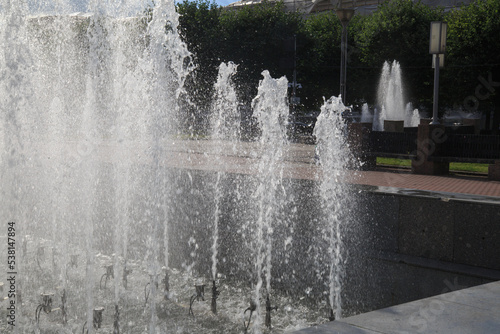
(345,15)
(438,37)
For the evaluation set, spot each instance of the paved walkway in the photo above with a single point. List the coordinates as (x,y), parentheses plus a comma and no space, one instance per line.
(210,155)
(467,311)
(450,184)
(244,157)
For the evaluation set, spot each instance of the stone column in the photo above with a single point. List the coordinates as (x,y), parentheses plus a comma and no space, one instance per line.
(359,142)
(429,140)
(494,171)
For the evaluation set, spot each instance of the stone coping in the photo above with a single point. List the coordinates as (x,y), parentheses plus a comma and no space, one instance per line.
(471,310)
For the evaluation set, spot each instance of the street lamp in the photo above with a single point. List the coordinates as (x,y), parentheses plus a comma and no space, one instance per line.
(437,47)
(344,15)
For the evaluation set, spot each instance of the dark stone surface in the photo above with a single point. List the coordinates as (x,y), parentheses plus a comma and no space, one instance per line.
(494,171)
(380,214)
(477,234)
(426,228)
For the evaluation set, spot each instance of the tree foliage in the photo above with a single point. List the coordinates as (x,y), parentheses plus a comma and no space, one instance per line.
(473,51)
(319,59)
(258,37)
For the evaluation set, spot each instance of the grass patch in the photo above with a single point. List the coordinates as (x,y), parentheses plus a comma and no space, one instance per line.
(394,162)
(454,166)
(469,167)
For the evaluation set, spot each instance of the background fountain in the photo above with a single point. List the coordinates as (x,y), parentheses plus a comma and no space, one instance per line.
(391,99)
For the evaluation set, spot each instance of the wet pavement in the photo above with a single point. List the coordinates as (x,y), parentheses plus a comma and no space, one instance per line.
(300,164)
(472,310)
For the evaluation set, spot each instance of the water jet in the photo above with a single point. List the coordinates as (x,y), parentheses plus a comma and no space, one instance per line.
(198,296)
(215,295)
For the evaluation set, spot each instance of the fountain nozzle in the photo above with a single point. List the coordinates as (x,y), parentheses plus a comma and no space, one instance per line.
(166,284)
(110,273)
(152,278)
(97,317)
(199,295)
(45,306)
(116,327)
(332,315)
(215,295)
(63,307)
(251,308)
(269,308)
(125,274)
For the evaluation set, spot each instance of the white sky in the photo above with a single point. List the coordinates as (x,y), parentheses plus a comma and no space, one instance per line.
(224,2)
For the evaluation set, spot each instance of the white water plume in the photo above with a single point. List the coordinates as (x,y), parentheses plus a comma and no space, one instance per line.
(96,173)
(334,158)
(225,126)
(271,110)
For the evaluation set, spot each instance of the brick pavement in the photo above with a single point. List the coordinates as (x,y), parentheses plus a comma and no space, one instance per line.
(300,164)
(452,184)
(243,157)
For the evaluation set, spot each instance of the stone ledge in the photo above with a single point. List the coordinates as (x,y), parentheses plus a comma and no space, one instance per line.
(472,310)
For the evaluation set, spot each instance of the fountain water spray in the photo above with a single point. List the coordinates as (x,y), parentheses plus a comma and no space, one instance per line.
(366,116)
(412,116)
(91,129)
(271,110)
(390,94)
(225,127)
(334,158)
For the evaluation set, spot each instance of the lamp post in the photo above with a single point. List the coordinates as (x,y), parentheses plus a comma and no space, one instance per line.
(344,15)
(437,48)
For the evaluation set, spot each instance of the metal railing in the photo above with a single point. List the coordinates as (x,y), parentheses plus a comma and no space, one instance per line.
(392,143)
(470,146)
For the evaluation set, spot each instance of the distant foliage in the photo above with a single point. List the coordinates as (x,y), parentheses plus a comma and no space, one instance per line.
(261,37)
(319,61)
(199,27)
(257,38)
(473,50)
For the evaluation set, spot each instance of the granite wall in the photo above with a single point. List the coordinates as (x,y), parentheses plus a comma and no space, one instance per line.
(398,246)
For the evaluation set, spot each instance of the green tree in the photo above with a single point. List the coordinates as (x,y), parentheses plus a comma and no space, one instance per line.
(319,59)
(473,51)
(258,38)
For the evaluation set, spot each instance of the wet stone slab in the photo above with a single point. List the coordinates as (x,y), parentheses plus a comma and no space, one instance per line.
(472,310)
